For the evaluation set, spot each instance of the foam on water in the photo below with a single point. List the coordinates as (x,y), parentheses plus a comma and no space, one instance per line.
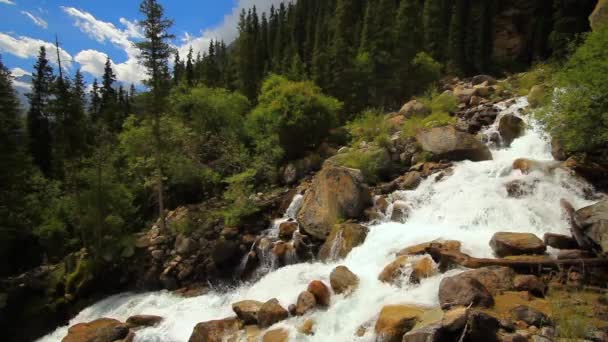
(469,206)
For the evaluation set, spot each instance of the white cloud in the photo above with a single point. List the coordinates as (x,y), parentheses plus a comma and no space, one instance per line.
(8,2)
(27,47)
(92,61)
(228,29)
(18,72)
(37,20)
(22,85)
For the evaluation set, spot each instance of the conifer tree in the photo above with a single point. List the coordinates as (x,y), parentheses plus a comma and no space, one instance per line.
(178,69)
(190,68)
(107,108)
(95,101)
(38,118)
(408,42)
(436,24)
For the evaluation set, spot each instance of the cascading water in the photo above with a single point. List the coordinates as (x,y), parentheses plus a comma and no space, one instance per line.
(470,206)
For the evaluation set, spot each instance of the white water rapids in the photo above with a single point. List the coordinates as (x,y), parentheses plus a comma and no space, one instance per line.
(470,206)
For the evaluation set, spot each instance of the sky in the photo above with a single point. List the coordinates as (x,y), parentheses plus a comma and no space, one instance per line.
(91,30)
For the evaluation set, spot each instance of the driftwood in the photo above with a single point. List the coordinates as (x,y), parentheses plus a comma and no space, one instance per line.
(450,257)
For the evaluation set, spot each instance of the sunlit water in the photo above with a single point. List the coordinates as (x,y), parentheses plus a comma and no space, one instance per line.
(469,206)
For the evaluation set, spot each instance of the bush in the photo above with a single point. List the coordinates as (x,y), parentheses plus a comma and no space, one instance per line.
(293,115)
(371,125)
(426,70)
(374,163)
(441,106)
(444,102)
(240,190)
(578,115)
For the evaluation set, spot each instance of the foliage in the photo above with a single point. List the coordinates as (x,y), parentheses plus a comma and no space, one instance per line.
(374,162)
(371,125)
(578,115)
(239,195)
(426,70)
(293,115)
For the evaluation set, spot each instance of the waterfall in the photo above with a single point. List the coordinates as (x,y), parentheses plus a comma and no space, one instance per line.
(470,206)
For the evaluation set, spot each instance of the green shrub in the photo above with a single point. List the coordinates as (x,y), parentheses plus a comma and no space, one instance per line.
(371,125)
(374,163)
(241,188)
(426,70)
(436,119)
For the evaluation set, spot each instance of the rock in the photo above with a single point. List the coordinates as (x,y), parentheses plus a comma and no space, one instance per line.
(247,310)
(224,252)
(342,280)
(276,335)
(450,245)
(429,333)
(505,244)
(479,79)
(216,330)
(414,108)
(482,90)
(286,230)
(185,245)
(594,223)
(481,327)
(305,303)
(401,211)
(510,128)
(307,328)
(409,181)
(270,313)
(512,338)
(495,279)
(455,319)
(464,94)
(320,291)
(230,233)
(558,150)
(336,193)
(143,321)
(343,238)
(461,290)
(99,330)
(521,188)
(396,121)
(530,283)
(530,316)
(419,269)
(446,143)
(528,165)
(396,320)
(559,241)
(599,15)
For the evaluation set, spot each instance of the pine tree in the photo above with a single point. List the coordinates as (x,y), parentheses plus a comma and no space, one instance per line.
(107,108)
(457,36)
(155,51)
(38,118)
(95,102)
(178,69)
(61,107)
(190,68)
(436,24)
(408,42)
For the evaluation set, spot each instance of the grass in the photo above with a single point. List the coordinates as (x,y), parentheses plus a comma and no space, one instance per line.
(441,106)
(374,163)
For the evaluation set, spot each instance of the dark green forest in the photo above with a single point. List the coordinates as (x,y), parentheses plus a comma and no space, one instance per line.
(87,169)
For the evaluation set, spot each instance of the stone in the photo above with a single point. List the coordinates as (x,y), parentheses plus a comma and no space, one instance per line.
(495,279)
(342,280)
(461,290)
(593,220)
(429,333)
(306,302)
(143,321)
(419,269)
(336,193)
(514,337)
(506,244)
(342,239)
(447,143)
(270,313)
(414,108)
(396,320)
(320,291)
(276,335)
(599,16)
(216,330)
(401,211)
(530,316)
(449,245)
(519,188)
(185,245)
(286,230)
(481,327)
(409,181)
(307,328)
(527,166)
(530,283)
(455,319)
(479,79)
(560,241)
(99,330)
(510,128)
(247,310)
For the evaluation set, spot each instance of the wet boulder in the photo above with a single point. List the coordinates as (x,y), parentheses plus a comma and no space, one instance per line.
(560,241)
(270,313)
(276,335)
(342,280)
(510,128)
(401,211)
(447,143)
(216,330)
(527,166)
(521,188)
(506,244)
(342,239)
(396,320)
(496,279)
(99,330)
(417,269)
(320,291)
(306,302)
(286,230)
(337,193)
(594,223)
(460,290)
(247,310)
(143,321)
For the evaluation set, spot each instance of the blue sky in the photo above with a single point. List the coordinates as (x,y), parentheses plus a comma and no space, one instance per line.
(91,29)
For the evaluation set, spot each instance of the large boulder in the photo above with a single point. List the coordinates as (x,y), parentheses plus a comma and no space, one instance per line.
(495,279)
(505,244)
(447,143)
(530,283)
(594,223)
(530,316)
(414,108)
(336,193)
(270,313)
(216,330)
(481,327)
(560,241)
(599,15)
(510,128)
(417,269)
(342,239)
(342,280)
(143,321)
(305,303)
(396,320)
(99,330)
(320,291)
(247,310)
(429,333)
(479,79)
(460,290)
